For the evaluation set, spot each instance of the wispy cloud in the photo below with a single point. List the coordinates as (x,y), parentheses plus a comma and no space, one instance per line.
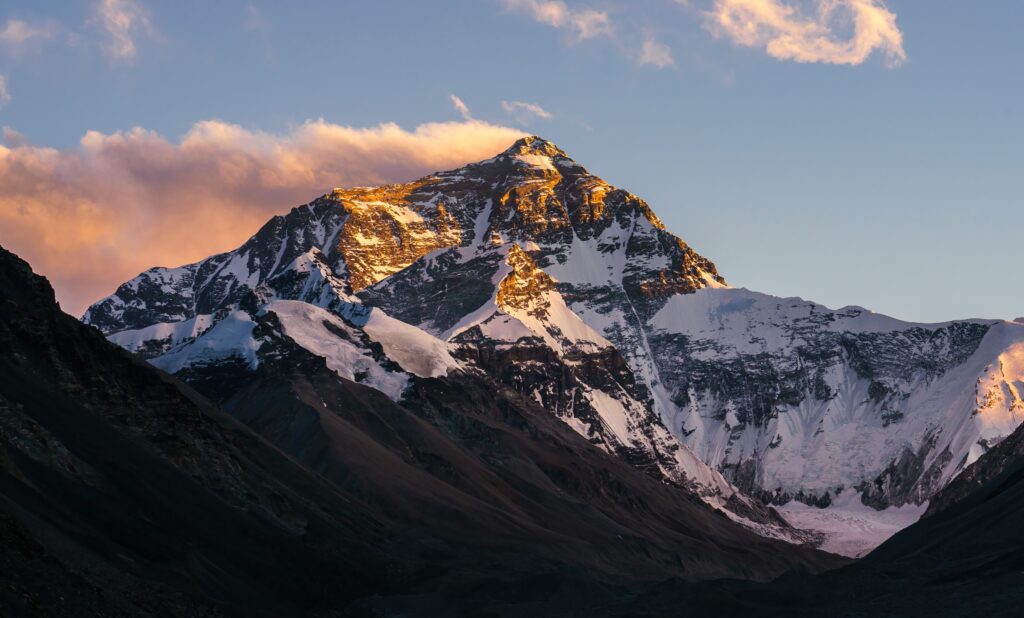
(122,21)
(461,107)
(16,33)
(589,23)
(584,22)
(525,112)
(788,33)
(655,53)
(5,97)
(92,216)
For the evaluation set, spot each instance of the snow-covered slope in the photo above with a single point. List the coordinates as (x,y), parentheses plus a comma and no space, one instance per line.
(240,339)
(793,399)
(555,283)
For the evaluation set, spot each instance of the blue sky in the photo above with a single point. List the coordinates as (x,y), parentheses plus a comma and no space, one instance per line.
(888,183)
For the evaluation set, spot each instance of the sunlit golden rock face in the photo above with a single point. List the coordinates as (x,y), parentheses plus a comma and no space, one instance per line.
(523,288)
(536,193)
(384,235)
(533,209)
(683,278)
(592,208)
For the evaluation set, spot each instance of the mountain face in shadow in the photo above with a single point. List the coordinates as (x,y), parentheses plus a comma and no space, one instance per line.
(141,487)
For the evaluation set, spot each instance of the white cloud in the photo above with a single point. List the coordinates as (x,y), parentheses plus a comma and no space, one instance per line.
(5,96)
(16,33)
(585,23)
(788,33)
(655,53)
(461,107)
(122,20)
(525,112)
(94,215)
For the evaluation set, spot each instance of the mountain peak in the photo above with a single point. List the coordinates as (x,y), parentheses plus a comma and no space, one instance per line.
(534,145)
(531,193)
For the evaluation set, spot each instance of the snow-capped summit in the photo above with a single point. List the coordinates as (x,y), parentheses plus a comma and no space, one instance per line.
(530,269)
(535,145)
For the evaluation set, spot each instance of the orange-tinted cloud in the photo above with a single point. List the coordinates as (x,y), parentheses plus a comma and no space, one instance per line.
(788,33)
(93,216)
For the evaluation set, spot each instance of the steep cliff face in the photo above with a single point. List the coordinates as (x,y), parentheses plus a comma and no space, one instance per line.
(530,269)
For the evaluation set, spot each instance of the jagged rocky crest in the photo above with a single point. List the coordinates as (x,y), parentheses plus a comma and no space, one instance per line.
(530,270)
